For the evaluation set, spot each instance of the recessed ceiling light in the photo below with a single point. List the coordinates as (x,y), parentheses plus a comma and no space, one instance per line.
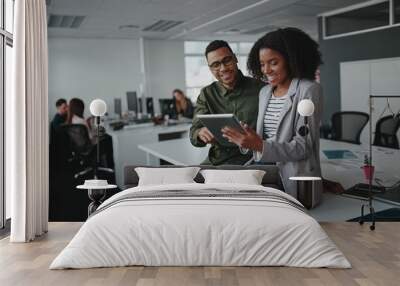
(162,26)
(229,32)
(65,21)
(128,27)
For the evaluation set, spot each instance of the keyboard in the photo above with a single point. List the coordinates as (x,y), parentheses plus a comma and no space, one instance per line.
(142,121)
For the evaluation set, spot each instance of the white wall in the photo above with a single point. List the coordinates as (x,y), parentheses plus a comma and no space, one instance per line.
(164,68)
(108,68)
(359,79)
(93,68)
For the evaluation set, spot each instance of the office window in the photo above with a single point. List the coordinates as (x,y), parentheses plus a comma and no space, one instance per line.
(396,11)
(9,12)
(361,18)
(6,42)
(198,74)
(195,47)
(8,86)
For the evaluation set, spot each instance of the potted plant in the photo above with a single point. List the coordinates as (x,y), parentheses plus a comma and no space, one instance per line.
(368,168)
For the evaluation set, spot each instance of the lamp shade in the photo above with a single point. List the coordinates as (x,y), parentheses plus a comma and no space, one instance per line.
(98,107)
(305,107)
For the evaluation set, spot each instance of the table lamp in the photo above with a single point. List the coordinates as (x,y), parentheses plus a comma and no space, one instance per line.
(305,108)
(304,182)
(98,108)
(96,188)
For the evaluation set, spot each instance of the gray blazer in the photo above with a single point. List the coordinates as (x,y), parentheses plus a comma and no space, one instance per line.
(287,149)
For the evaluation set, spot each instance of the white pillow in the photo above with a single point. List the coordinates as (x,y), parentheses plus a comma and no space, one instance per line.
(163,176)
(248,177)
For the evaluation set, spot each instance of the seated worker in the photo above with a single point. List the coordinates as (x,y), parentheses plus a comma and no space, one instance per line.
(59,119)
(231,93)
(183,105)
(75,114)
(61,115)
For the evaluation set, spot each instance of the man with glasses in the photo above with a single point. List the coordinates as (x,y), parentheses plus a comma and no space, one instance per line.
(231,93)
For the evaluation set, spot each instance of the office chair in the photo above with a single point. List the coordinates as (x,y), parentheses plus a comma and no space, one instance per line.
(386,132)
(81,152)
(82,156)
(348,125)
(75,159)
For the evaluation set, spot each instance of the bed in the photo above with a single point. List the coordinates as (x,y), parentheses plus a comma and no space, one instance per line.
(197,224)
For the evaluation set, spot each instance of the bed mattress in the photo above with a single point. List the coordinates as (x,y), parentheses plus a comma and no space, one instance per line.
(201,225)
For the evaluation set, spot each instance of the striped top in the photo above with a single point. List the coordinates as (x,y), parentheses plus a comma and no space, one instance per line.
(272,115)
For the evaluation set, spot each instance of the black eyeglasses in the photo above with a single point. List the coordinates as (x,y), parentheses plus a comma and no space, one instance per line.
(227,61)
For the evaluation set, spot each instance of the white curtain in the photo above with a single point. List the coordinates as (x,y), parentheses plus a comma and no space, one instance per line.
(27,149)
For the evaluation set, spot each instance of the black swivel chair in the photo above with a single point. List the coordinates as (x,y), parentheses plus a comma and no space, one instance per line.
(386,132)
(83,153)
(347,126)
(75,159)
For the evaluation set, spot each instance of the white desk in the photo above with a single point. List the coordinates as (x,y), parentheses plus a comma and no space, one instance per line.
(176,152)
(348,172)
(344,171)
(126,141)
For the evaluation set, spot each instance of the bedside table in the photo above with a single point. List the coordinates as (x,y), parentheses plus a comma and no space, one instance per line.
(304,189)
(96,195)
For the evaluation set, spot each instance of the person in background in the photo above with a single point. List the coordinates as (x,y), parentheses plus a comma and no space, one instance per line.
(62,112)
(288,58)
(183,105)
(75,114)
(231,93)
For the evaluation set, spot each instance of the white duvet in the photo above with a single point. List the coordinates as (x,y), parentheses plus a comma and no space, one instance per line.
(200,231)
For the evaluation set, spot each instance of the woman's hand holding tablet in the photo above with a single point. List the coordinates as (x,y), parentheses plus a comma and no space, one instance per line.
(247,138)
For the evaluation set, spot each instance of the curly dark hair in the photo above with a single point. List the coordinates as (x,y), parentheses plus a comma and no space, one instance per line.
(298,49)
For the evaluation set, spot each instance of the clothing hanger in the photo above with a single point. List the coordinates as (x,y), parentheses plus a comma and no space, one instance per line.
(389,108)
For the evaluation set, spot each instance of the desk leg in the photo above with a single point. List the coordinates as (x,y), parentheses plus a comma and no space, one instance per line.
(148,159)
(96,196)
(152,160)
(304,193)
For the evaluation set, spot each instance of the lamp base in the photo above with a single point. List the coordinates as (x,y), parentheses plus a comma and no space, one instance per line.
(96,196)
(304,189)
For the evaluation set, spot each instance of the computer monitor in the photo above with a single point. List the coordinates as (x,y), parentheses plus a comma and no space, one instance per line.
(167,107)
(131,97)
(118,106)
(140,104)
(149,106)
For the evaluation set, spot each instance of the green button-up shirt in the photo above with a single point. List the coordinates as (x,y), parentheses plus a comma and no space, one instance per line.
(242,101)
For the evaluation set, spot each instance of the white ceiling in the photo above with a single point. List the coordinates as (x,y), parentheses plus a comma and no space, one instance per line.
(202,19)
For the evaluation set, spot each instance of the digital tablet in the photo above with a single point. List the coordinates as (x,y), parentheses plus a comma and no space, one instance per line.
(215,122)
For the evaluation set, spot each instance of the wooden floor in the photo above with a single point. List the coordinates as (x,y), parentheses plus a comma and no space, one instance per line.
(374,255)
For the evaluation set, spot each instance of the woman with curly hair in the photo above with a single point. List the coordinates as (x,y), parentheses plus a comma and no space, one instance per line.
(288,60)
